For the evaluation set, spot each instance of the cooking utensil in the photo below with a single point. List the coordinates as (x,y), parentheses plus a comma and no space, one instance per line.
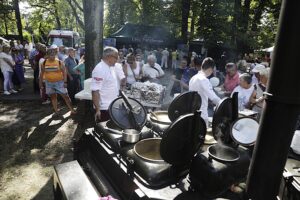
(178,145)
(160,117)
(153,114)
(149,149)
(121,115)
(131,118)
(225,113)
(128,135)
(185,103)
(244,131)
(223,153)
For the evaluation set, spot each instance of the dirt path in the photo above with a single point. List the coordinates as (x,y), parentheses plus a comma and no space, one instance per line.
(31,142)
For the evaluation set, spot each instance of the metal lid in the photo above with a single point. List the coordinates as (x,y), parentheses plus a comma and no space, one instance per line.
(244,131)
(120,113)
(225,113)
(183,138)
(186,103)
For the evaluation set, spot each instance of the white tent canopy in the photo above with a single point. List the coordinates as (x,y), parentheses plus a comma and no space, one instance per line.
(270,49)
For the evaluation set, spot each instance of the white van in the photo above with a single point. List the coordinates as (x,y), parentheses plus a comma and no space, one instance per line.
(64,37)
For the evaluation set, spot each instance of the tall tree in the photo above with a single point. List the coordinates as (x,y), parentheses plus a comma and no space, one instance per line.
(186,6)
(93,19)
(18,19)
(258,14)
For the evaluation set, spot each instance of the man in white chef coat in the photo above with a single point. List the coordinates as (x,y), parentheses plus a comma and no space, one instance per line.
(104,84)
(201,84)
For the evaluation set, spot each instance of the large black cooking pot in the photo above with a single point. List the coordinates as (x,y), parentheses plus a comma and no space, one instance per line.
(178,145)
(149,149)
(223,153)
(243,131)
(185,103)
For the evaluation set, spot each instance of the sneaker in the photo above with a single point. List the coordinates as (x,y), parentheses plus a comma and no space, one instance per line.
(46,102)
(13,91)
(6,93)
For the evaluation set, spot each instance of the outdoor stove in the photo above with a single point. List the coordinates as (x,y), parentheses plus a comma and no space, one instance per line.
(157,166)
(227,162)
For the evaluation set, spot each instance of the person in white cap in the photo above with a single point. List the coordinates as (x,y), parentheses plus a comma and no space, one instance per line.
(255,71)
(257,98)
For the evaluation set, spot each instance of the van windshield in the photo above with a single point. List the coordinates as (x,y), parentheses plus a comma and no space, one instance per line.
(59,41)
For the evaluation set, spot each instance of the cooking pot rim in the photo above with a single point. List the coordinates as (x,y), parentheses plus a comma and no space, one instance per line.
(142,157)
(217,158)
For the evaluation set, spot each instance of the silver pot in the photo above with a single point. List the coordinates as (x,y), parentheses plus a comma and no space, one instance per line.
(131,135)
(128,135)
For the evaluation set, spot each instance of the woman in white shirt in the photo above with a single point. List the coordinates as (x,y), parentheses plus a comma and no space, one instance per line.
(245,90)
(7,64)
(132,70)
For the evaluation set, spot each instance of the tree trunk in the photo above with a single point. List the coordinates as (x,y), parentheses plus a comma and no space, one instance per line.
(56,15)
(93,19)
(18,19)
(144,12)
(78,20)
(236,19)
(245,16)
(193,25)
(186,4)
(257,15)
(121,7)
(5,24)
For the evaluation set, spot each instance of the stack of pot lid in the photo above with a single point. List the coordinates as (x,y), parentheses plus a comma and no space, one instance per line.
(121,115)
(183,139)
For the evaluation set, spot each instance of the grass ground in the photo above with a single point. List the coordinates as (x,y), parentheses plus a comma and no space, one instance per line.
(31,142)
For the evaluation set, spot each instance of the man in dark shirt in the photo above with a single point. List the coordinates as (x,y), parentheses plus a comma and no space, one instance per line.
(73,76)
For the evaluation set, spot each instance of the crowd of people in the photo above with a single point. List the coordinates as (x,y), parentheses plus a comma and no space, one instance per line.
(61,70)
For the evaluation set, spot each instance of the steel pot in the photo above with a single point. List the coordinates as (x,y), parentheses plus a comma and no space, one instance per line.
(128,135)
(149,149)
(223,153)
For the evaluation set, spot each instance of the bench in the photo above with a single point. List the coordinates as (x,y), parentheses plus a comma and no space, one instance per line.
(71,183)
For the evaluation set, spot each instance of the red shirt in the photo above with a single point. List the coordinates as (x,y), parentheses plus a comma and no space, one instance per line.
(231,82)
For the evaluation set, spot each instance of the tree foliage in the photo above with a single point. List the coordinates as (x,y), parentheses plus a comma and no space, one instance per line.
(241,25)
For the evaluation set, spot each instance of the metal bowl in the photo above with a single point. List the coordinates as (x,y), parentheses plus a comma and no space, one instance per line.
(223,153)
(149,149)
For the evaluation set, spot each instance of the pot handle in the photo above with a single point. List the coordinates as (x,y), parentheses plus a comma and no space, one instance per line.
(113,131)
(130,168)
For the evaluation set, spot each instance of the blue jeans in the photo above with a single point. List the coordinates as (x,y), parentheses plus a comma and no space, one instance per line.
(8,85)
